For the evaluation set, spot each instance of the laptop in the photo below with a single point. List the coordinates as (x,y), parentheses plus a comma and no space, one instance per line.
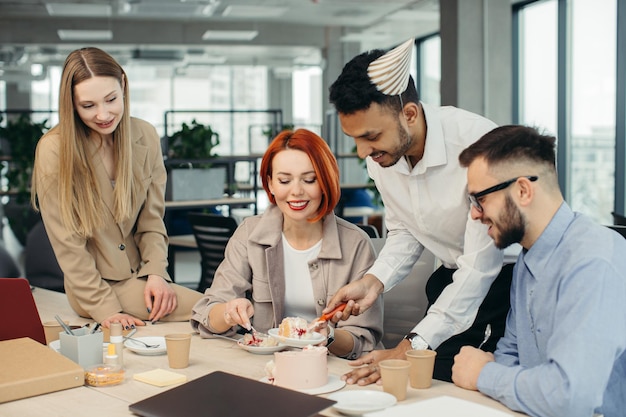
(221,394)
(20,317)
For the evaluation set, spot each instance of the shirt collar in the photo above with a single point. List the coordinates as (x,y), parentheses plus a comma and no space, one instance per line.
(539,256)
(435,147)
(269,232)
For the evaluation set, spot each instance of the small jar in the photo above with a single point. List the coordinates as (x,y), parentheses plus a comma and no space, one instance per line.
(104,375)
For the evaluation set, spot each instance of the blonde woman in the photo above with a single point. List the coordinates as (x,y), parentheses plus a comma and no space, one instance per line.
(99,183)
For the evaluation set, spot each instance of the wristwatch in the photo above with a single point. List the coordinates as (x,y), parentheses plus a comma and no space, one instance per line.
(417,342)
(331,336)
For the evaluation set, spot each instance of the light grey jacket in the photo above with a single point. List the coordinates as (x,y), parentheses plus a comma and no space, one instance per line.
(254,262)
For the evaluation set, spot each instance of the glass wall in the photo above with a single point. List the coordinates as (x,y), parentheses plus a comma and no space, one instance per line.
(430,70)
(578,48)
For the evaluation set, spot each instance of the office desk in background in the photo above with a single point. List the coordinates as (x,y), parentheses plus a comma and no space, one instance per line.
(207,355)
(171,206)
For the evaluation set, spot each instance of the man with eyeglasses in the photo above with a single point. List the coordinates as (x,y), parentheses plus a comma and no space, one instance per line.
(564,349)
(411,150)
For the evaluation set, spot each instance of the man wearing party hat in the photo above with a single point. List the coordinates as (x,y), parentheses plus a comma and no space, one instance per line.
(411,150)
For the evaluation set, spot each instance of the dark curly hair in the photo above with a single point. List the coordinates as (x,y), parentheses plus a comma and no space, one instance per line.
(353,91)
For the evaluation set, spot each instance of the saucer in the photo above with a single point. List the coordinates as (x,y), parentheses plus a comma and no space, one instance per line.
(334,383)
(358,402)
(294,342)
(261,350)
(140,349)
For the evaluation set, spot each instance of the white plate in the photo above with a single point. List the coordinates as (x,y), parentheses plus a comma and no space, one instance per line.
(261,350)
(140,349)
(334,383)
(294,342)
(357,402)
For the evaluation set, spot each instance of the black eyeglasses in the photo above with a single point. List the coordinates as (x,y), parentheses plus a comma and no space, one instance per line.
(473,198)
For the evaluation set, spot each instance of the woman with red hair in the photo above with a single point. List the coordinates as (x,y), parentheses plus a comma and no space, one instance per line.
(291,259)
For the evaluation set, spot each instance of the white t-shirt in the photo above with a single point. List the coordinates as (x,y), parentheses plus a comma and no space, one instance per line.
(299,299)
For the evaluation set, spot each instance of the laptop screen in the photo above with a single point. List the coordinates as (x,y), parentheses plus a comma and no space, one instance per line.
(19,312)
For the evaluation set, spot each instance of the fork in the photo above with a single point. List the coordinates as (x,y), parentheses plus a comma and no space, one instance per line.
(128,337)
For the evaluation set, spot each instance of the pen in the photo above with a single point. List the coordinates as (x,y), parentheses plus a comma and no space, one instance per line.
(65,326)
(96,327)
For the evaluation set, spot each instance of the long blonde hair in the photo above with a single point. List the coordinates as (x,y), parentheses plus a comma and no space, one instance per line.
(80,198)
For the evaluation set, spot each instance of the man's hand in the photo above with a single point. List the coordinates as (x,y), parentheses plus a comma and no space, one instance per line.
(360,295)
(160,298)
(369,374)
(467,366)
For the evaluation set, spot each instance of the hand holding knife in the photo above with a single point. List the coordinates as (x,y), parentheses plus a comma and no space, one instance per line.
(325,317)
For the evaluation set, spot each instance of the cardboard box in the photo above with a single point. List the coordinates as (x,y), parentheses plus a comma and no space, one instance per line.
(28,368)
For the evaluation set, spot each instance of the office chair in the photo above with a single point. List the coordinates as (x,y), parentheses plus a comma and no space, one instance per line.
(618,219)
(40,263)
(369,229)
(8,266)
(212,233)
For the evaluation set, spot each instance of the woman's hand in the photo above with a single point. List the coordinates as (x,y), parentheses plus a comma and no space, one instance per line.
(127,321)
(160,298)
(238,311)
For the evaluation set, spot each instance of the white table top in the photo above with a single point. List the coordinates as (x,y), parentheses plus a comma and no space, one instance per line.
(207,355)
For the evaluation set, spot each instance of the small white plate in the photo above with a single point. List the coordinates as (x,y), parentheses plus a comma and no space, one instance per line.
(294,342)
(261,350)
(334,383)
(357,402)
(140,349)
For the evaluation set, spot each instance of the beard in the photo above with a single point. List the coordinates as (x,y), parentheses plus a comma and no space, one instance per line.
(400,150)
(513,225)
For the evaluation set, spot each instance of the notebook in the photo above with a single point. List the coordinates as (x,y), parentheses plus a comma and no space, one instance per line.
(17,302)
(221,394)
(28,368)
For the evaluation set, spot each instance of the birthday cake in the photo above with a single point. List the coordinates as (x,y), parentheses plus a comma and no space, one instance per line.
(301,369)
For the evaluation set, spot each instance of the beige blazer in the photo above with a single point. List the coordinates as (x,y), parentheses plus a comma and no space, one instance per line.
(135,248)
(254,262)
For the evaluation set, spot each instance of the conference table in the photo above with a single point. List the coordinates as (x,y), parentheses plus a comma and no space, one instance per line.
(207,355)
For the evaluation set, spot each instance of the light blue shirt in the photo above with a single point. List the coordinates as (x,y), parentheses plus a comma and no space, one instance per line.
(563,351)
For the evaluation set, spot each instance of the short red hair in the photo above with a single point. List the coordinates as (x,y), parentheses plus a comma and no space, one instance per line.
(322,158)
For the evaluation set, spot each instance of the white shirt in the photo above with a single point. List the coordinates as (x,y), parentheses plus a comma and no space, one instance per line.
(427,206)
(299,298)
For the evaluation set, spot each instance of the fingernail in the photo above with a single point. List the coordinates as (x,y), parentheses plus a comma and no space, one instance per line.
(132,327)
(149,310)
(127,327)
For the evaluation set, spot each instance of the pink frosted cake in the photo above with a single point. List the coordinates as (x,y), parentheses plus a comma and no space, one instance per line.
(301,369)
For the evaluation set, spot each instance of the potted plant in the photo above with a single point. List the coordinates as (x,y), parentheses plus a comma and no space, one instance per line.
(193,178)
(18,140)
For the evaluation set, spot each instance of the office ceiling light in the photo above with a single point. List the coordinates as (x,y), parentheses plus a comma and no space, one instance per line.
(253,12)
(74,9)
(84,35)
(230,35)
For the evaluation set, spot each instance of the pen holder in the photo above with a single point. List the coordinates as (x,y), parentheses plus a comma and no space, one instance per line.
(83,347)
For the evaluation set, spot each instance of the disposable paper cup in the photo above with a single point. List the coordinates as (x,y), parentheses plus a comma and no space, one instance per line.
(178,346)
(422,366)
(395,375)
(52,329)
